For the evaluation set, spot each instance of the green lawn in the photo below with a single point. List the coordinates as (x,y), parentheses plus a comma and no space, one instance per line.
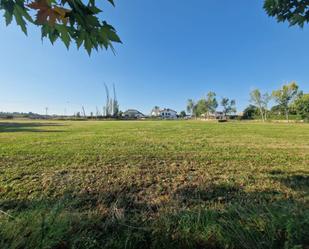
(153,184)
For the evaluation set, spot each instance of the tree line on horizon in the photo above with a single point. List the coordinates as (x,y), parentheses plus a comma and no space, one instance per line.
(289,99)
(208,105)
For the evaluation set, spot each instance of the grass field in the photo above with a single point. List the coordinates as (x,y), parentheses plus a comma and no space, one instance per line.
(156,184)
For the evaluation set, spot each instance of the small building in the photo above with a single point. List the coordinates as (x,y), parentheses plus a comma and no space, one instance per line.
(213,115)
(133,114)
(168,114)
(165,113)
(155,112)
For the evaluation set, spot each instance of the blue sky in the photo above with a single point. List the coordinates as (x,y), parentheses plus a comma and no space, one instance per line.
(172,50)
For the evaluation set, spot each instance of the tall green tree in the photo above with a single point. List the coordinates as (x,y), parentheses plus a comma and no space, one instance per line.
(211,103)
(201,107)
(229,106)
(302,106)
(182,114)
(260,101)
(276,110)
(66,20)
(190,106)
(285,96)
(250,112)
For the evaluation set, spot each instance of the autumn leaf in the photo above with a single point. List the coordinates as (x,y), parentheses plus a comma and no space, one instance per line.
(47,13)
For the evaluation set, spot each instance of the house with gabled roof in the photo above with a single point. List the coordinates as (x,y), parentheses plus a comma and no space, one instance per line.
(165,113)
(168,114)
(134,114)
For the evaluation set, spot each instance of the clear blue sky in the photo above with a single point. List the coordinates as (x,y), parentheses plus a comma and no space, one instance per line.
(172,50)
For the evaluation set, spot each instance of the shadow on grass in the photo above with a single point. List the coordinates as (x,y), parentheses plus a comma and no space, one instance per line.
(119,218)
(28,127)
(194,216)
(297,181)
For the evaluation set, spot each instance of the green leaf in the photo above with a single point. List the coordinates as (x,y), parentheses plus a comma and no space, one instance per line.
(112,2)
(53,35)
(113,36)
(110,33)
(44,31)
(88,45)
(64,35)
(95,10)
(8,17)
(23,12)
(80,39)
(20,21)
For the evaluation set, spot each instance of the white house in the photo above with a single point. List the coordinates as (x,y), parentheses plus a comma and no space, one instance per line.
(155,112)
(132,113)
(168,114)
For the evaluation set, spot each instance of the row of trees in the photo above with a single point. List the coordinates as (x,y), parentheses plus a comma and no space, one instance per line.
(209,104)
(289,99)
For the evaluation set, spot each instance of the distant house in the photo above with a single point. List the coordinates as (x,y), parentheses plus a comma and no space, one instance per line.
(132,113)
(213,115)
(165,113)
(168,114)
(155,112)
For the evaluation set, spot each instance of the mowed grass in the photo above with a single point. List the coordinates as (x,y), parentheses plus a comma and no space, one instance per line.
(153,184)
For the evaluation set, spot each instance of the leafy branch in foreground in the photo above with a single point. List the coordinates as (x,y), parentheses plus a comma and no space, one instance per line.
(69,20)
(295,12)
(76,20)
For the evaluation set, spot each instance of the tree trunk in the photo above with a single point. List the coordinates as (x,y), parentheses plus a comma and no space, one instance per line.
(262,114)
(287,114)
